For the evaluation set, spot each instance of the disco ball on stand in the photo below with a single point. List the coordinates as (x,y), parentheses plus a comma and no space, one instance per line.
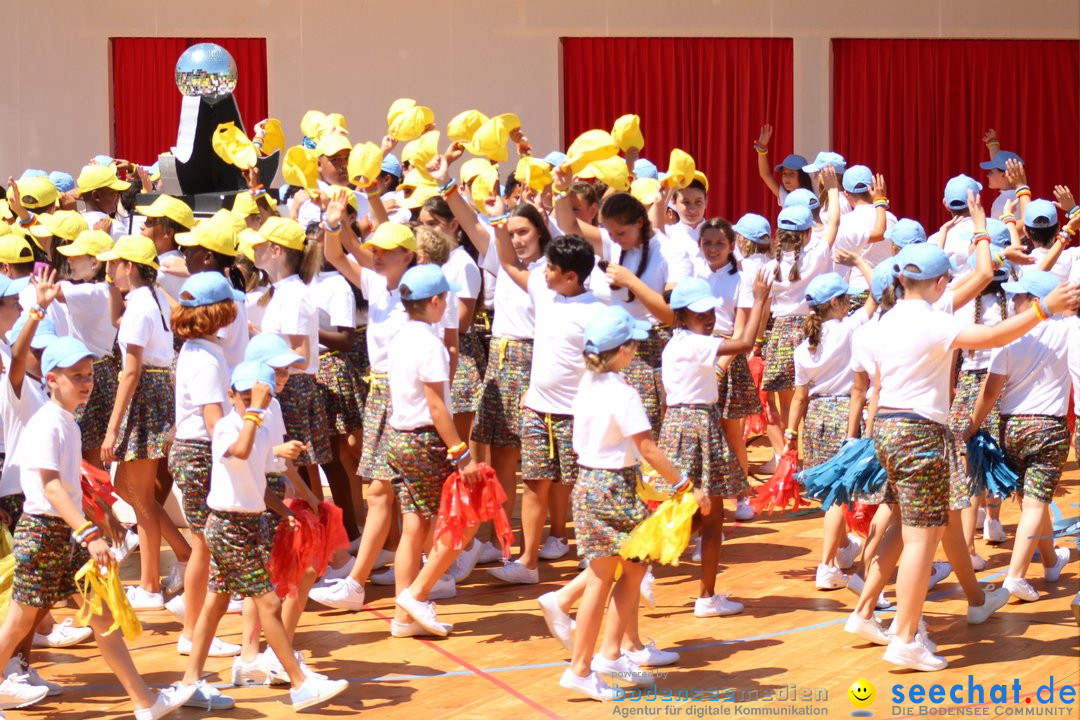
(206,70)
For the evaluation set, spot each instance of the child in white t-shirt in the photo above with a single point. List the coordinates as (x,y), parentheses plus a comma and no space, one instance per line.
(792,175)
(863,229)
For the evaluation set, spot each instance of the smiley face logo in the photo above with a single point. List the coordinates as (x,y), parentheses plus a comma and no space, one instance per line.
(861,694)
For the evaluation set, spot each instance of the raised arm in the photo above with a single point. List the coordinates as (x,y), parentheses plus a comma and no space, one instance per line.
(466,217)
(335,233)
(46,287)
(241,447)
(881,209)
(764,166)
(564,212)
(507,257)
(984,337)
(832,220)
(744,340)
(658,210)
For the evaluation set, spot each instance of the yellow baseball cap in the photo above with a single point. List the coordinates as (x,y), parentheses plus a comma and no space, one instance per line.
(484,187)
(418,195)
(332,143)
(473,167)
(535,173)
(89,242)
(14,247)
(611,171)
(64,224)
(133,248)
(411,123)
(490,140)
(390,236)
(301,167)
(244,204)
(37,192)
(215,234)
(700,177)
(228,216)
(588,147)
(464,125)
(681,169)
(365,164)
(166,206)
(233,146)
(334,122)
(627,133)
(397,108)
(273,138)
(96,177)
(646,190)
(246,242)
(421,151)
(284,232)
(5,210)
(311,124)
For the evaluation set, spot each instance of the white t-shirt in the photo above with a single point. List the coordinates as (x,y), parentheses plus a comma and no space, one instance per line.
(5,358)
(57,445)
(1066,265)
(514,316)
(657,275)
(292,312)
(862,360)
(237,485)
(417,356)
(1073,324)
(688,369)
(16,413)
(56,312)
(274,424)
(957,244)
(88,311)
(854,235)
(202,378)
(146,324)
(254,310)
(789,296)
(234,337)
(607,413)
(120,225)
(557,364)
(460,269)
(1036,370)
(386,316)
(334,301)
(310,211)
(679,243)
(171,282)
(828,371)
(912,349)
(729,290)
(998,208)
(991,316)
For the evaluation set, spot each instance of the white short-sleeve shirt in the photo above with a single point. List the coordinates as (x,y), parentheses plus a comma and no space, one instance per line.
(386,316)
(171,282)
(991,316)
(292,312)
(16,412)
(789,296)
(334,301)
(57,445)
(854,235)
(657,275)
(274,423)
(514,316)
(417,356)
(688,368)
(957,244)
(146,324)
(1036,370)
(236,485)
(460,269)
(828,371)
(607,414)
(1065,267)
(88,313)
(234,337)
(727,287)
(202,378)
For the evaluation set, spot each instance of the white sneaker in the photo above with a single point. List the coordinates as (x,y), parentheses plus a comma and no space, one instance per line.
(464,563)
(558,621)
(696,555)
(166,701)
(489,553)
(1053,574)
(716,606)
(1021,588)
(846,557)
(253,673)
(768,467)
(413,629)
(236,606)
(208,697)
(422,612)
(978,562)
(743,511)
(554,548)
(922,635)
(176,607)
(830,577)
(868,629)
(914,655)
(384,578)
(315,692)
(647,582)
(980,517)
(938,572)
(652,656)
(993,532)
(142,599)
(443,588)
(514,573)
(994,599)
(622,668)
(126,546)
(276,672)
(855,584)
(384,558)
(174,583)
(16,692)
(63,634)
(218,647)
(592,685)
(333,573)
(343,594)
(17,666)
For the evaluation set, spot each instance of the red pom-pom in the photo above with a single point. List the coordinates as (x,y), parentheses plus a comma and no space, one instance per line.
(297,547)
(781,489)
(98,491)
(334,537)
(757,424)
(859,517)
(464,506)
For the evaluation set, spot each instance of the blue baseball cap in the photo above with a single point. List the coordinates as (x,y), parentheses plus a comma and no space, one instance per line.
(1033,282)
(1000,273)
(646,169)
(270,349)
(63,182)
(827,286)
(103,160)
(858,179)
(791,162)
(797,218)
(392,166)
(922,261)
(43,335)
(33,173)
(826,158)
(612,327)
(9,287)
(694,294)
(247,373)
(999,233)
(421,282)
(205,288)
(906,232)
(754,228)
(881,278)
(63,352)
(555,158)
(802,197)
(956,191)
(1040,214)
(1000,158)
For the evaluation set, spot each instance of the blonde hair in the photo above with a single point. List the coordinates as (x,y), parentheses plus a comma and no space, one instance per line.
(433,245)
(789,240)
(601,362)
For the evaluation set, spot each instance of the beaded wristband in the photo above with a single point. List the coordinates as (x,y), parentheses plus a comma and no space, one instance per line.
(993,142)
(462,458)
(331,230)
(1040,310)
(96,535)
(1020,188)
(31,218)
(1073,212)
(980,236)
(883,204)
(257,419)
(1023,193)
(1007,217)
(791,434)
(682,484)
(499,221)
(443,189)
(457,449)
(761,149)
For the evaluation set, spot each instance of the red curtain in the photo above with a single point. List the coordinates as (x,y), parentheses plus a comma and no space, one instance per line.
(707,96)
(916,111)
(146,103)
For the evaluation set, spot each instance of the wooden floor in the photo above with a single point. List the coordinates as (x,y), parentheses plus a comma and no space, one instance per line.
(500,662)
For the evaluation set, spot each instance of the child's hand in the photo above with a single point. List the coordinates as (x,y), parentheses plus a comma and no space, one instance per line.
(495,206)
(703,501)
(290,449)
(844,257)
(989,136)
(104,224)
(108,448)
(877,192)
(563,178)
(975,209)
(14,199)
(969,430)
(337,201)
(260,395)
(828,178)
(99,552)
(765,135)
(454,152)
(46,286)
(388,145)
(1065,296)
(1010,206)
(1063,198)
(950,224)
(1017,256)
(251,175)
(439,167)
(762,286)
(470,473)
(618,275)
(1015,173)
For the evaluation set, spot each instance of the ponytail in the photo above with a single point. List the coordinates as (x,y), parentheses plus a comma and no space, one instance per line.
(789,240)
(813,323)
